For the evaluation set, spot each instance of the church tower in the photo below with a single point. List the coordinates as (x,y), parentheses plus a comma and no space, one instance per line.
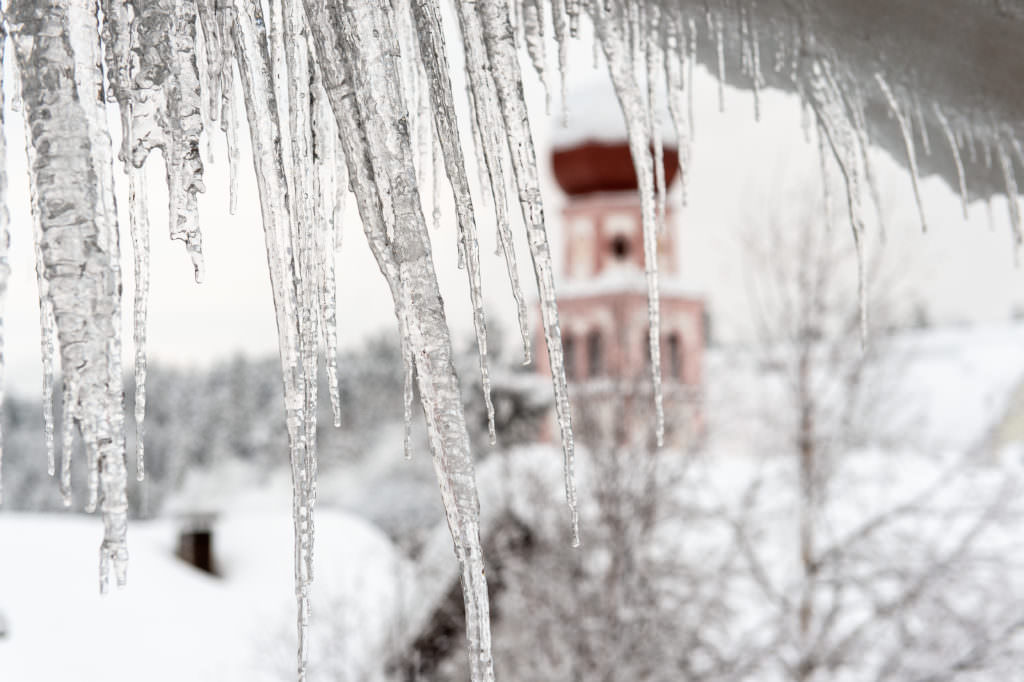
(602,307)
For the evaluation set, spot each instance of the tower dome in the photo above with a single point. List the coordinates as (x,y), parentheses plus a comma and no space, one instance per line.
(591,153)
(598,166)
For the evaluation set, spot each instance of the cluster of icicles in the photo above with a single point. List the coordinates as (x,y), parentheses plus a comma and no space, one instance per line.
(358,100)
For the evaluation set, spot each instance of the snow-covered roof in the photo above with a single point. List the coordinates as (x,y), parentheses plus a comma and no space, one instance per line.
(173,622)
(620,279)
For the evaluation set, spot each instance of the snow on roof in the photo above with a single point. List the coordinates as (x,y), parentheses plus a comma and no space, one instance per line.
(620,279)
(173,622)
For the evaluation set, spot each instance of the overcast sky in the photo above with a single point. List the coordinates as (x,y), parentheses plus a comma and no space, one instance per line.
(963,271)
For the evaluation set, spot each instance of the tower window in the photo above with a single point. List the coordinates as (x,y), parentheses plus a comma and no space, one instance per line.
(675,355)
(620,247)
(595,354)
(569,356)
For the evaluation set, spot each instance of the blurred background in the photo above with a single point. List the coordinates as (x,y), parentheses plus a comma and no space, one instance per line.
(826,507)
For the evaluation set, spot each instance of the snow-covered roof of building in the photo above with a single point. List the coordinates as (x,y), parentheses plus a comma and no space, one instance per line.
(173,622)
(621,279)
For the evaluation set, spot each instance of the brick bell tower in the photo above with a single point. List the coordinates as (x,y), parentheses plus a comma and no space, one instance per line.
(602,306)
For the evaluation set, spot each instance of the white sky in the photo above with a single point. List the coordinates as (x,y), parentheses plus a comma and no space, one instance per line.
(963,271)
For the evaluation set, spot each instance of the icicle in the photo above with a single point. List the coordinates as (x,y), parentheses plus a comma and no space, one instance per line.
(758,79)
(119,40)
(435,177)
(225,14)
(482,169)
(572,7)
(407,396)
(92,467)
(654,125)
(533,27)
(326,192)
(972,150)
(230,122)
(1006,165)
(835,125)
(139,216)
(674,79)
(369,117)
(494,169)
(560,22)
(509,86)
(211,79)
(47,323)
(720,49)
(637,124)
(166,111)
(860,128)
(922,128)
(691,64)
(908,141)
(49,355)
(73,191)
(435,63)
(67,439)
(341,187)
(954,148)
(269,160)
(826,190)
(5,244)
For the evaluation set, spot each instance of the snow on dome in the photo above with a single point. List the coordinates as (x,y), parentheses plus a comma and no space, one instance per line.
(595,115)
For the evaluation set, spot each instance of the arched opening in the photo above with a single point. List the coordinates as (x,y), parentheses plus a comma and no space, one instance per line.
(595,354)
(675,356)
(569,356)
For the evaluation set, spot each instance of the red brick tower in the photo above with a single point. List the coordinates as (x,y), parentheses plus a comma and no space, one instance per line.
(603,302)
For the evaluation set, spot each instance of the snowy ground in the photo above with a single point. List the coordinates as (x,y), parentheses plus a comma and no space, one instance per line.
(176,623)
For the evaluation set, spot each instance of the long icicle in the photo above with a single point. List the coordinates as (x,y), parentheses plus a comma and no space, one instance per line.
(70,160)
(327,195)
(351,70)
(428,25)
(304,246)
(138,213)
(634,108)
(265,129)
(837,127)
(490,20)
(5,245)
(487,124)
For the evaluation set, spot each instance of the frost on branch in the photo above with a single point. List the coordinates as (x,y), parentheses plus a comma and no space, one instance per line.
(338,102)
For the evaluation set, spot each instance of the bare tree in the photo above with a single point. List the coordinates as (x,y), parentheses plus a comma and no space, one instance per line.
(863,559)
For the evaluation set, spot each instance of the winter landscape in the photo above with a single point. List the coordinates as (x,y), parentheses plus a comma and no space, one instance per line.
(695,329)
